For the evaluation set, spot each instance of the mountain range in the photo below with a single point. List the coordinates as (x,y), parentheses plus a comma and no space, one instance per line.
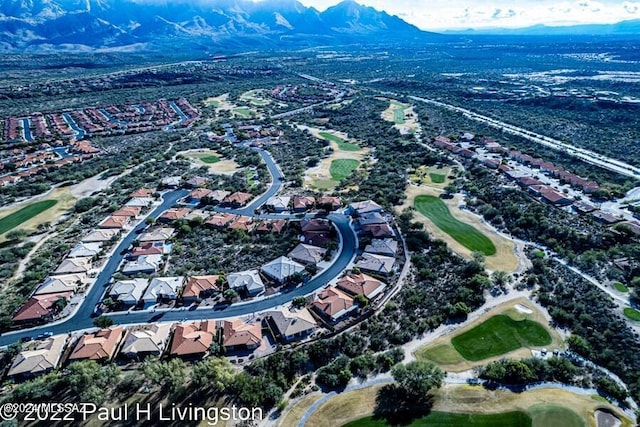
(206,25)
(623,28)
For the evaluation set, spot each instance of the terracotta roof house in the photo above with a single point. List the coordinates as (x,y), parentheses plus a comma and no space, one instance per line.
(141,202)
(238,335)
(361,284)
(101,345)
(303,203)
(315,225)
(128,292)
(73,266)
(371,218)
(278,203)
(307,254)
(197,213)
(38,357)
(248,281)
(142,192)
(62,283)
(271,226)
(117,222)
(281,269)
(376,263)
(387,247)
(378,231)
(162,289)
(367,206)
(83,249)
(100,235)
(292,325)
(237,199)
(196,181)
(193,339)
(173,214)
(220,220)
(333,303)
(145,264)
(333,202)
(218,195)
(171,181)
(198,194)
(244,223)
(157,234)
(148,340)
(40,308)
(199,287)
(150,248)
(606,218)
(128,211)
(554,197)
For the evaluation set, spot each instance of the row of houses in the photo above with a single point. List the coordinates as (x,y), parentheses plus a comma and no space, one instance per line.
(302,203)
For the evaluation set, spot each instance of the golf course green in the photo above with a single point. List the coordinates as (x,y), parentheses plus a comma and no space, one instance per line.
(25,214)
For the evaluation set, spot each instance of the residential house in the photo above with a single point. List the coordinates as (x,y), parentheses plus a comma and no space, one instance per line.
(148,340)
(248,281)
(128,211)
(157,234)
(100,235)
(200,287)
(281,269)
(171,181)
(198,194)
(144,264)
(333,304)
(115,222)
(99,346)
(244,223)
(315,225)
(220,220)
(606,218)
(61,284)
(41,308)
(237,199)
(150,248)
(173,214)
(73,266)
(361,284)
(193,340)
(378,231)
(217,196)
(128,292)
(142,202)
(271,226)
(238,335)
(371,218)
(552,196)
(303,203)
(38,357)
(278,203)
(387,247)
(196,181)
(367,206)
(143,192)
(377,263)
(292,325)
(307,254)
(582,207)
(162,289)
(330,203)
(85,250)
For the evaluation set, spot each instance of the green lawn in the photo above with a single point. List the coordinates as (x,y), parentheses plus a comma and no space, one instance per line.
(435,209)
(442,354)
(447,419)
(26,213)
(210,159)
(632,314)
(620,287)
(437,178)
(551,415)
(342,168)
(342,144)
(398,116)
(243,111)
(212,103)
(498,335)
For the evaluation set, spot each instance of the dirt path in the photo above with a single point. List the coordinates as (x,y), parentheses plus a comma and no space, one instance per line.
(23,264)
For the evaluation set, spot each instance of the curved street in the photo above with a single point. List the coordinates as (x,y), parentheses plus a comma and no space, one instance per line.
(82,317)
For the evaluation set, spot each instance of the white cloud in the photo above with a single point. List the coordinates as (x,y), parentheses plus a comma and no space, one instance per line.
(441,14)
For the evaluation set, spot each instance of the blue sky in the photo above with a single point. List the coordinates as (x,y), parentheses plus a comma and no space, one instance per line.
(462,14)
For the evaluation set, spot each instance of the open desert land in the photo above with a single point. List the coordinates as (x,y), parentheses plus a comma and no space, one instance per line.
(255,97)
(510,329)
(402,115)
(347,156)
(28,215)
(504,259)
(213,160)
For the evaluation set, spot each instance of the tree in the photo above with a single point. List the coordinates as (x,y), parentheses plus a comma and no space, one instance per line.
(15,235)
(89,381)
(213,372)
(230,294)
(103,321)
(299,302)
(361,300)
(170,376)
(418,378)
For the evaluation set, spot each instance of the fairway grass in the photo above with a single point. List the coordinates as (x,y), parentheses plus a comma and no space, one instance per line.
(243,112)
(552,415)
(342,168)
(449,419)
(210,159)
(632,313)
(435,209)
(342,144)
(437,178)
(443,354)
(498,335)
(620,287)
(24,214)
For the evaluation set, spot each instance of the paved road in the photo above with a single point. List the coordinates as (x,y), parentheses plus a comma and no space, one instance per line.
(82,319)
